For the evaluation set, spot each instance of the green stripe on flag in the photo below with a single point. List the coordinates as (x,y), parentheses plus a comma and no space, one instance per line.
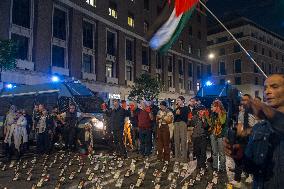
(182,23)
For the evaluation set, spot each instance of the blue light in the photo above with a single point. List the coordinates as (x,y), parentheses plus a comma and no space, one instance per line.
(9,86)
(55,78)
(208,83)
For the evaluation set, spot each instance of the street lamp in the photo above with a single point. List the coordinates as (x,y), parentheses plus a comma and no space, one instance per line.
(211,56)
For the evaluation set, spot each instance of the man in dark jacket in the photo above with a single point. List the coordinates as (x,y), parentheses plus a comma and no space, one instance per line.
(117,117)
(263,156)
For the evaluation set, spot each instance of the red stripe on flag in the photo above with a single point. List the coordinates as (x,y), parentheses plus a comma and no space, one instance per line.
(182,6)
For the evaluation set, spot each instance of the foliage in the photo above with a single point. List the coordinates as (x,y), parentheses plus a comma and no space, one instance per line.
(8,52)
(145,88)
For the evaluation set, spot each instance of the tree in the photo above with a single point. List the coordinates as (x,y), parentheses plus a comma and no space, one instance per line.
(145,88)
(8,52)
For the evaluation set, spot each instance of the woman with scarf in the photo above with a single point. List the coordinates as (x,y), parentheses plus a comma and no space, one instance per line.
(9,130)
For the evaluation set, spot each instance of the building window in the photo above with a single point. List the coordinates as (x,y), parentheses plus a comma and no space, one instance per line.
(181,45)
(190,70)
(256,81)
(146,5)
(91,2)
(255,48)
(276,56)
(198,86)
(262,51)
(190,85)
(270,54)
(198,52)
(21,13)
(256,93)
(282,58)
(88,35)
(237,48)
(222,51)
(170,81)
(111,43)
(270,69)
(146,26)
(22,44)
(189,49)
(129,49)
(198,72)
(181,83)
(170,64)
(129,73)
(238,66)
(109,70)
(158,61)
(145,55)
(190,31)
(112,10)
(238,80)
(199,35)
(158,77)
(58,56)
(209,70)
(87,63)
(59,24)
(222,68)
(130,20)
(180,67)
(255,69)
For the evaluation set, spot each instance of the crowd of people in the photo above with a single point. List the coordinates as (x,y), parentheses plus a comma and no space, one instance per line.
(254,141)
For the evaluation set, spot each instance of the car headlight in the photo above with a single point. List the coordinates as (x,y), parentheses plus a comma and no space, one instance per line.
(97,123)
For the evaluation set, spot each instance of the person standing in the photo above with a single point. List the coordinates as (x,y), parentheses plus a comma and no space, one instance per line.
(117,117)
(180,131)
(145,118)
(199,136)
(21,136)
(217,123)
(70,120)
(263,155)
(134,122)
(41,132)
(164,118)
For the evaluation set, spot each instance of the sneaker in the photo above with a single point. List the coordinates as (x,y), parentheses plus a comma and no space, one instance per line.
(249,179)
(236,184)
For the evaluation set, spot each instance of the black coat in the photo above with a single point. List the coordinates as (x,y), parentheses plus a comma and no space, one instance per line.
(117,117)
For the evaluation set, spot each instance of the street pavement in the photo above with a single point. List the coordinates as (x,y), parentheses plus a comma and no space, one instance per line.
(104,170)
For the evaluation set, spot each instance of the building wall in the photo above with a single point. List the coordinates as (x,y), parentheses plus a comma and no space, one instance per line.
(251,80)
(77,11)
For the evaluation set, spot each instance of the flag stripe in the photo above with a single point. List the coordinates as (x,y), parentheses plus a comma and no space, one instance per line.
(162,18)
(183,6)
(164,34)
(182,23)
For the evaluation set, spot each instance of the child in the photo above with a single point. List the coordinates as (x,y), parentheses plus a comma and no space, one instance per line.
(85,140)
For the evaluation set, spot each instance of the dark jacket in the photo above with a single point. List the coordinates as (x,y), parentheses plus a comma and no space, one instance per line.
(183,116)
(117,117)
(199,126)
(264,156)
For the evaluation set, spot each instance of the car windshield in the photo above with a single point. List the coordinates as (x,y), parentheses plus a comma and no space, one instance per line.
(89,104)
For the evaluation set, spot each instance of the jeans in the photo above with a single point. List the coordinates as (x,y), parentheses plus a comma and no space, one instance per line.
(218,151)
(145,137)
(180,136)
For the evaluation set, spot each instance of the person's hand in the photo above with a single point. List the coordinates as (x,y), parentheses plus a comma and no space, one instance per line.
(234,151)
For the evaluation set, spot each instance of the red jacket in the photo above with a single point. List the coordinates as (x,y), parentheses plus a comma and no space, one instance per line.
(144,120)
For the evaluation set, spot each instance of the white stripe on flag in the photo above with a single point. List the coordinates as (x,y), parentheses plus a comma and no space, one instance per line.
(164,34)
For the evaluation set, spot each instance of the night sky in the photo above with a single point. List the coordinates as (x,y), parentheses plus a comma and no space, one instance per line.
(266,13)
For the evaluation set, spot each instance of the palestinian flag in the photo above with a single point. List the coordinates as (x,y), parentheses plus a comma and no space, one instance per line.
(167,28)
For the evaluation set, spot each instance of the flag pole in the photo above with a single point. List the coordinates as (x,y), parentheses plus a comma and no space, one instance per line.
(250,57)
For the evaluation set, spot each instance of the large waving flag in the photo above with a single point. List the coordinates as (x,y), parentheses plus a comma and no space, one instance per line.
(169,31)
